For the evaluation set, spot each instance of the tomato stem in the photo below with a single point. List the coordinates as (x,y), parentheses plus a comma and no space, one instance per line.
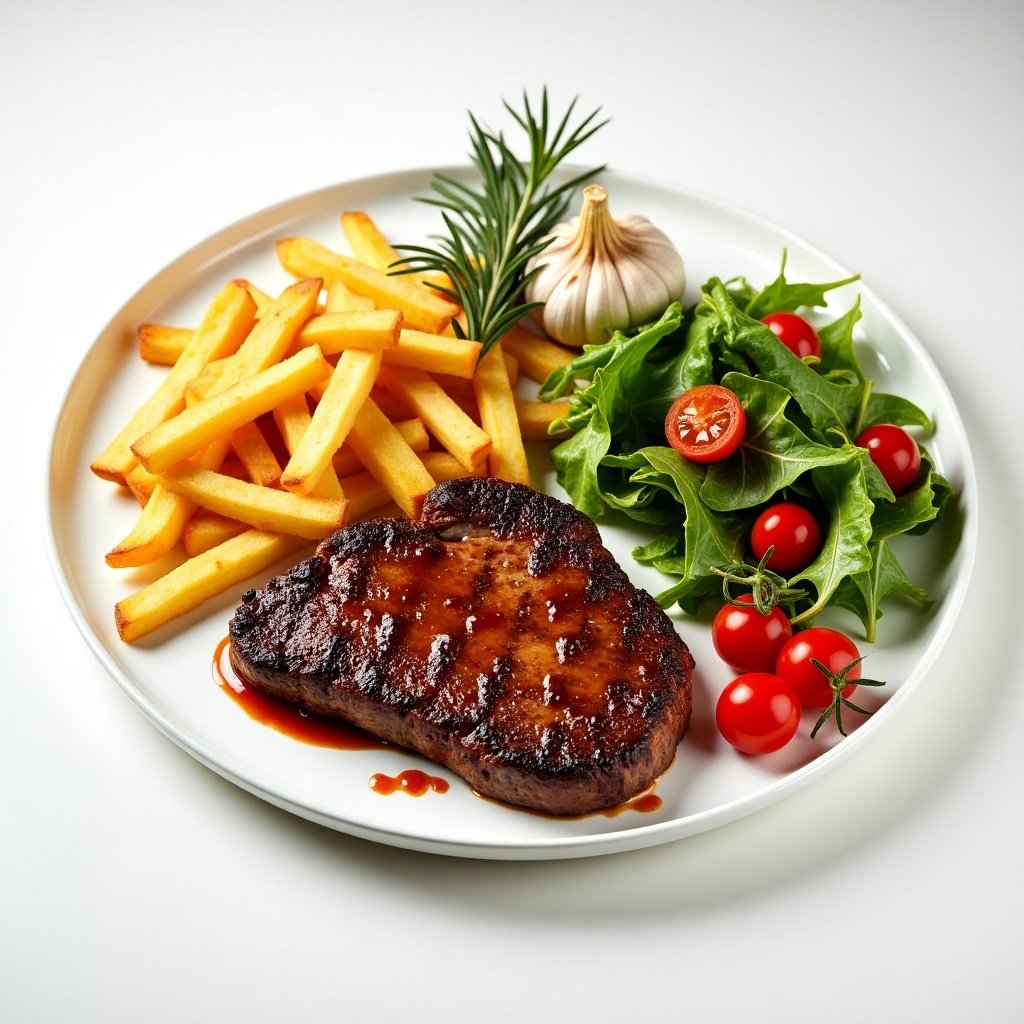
(837,681)
(767,588)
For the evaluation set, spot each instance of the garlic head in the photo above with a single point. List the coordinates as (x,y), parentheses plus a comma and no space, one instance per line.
(600,274)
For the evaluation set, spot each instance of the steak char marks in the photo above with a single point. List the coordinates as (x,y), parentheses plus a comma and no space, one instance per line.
(496,636)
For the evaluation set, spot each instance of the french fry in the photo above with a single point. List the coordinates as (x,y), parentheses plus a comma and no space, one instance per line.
(392,404)
(155,532)
(256,455)
(459,387)
(332,420)
(538,358)
(227,321)
(206,529)
(263,508)
(386,455)
(224,412)
(293,419)
(365,494)
(441,415)
(424,309)
(434,353)
(536,417)
(335,332)
(199,579)
(261,298)
(161,344)
(369,245)
(346,462)
(341,299)
(163,517)
(273,336)
(444,466)
(507,458)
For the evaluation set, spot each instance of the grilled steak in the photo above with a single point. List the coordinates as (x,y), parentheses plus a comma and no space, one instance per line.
(496,635)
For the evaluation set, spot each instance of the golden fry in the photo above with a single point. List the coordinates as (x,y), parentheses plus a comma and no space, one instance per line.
(220,414)
(538,358)
(335,332)
(434,353)
(423,308)
(444,466)
(332,420)
(346,462)
(442,416)
(264,508)
(343,300)
(161,344)
(206,529)
(155,532)
(369,246)
(228,320)
(256,455)
(199,579)
(385,453)
(507,459)
(536,417)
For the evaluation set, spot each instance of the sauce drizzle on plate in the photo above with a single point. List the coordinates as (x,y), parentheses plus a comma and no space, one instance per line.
(287,718)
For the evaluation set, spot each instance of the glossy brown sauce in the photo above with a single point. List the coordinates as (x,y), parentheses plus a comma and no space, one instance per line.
(411,781)
(321,731)
(284,717)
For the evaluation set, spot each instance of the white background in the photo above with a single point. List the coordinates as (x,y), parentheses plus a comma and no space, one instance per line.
(137,885)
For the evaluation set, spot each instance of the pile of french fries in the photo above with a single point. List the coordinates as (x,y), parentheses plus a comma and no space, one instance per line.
(282,419)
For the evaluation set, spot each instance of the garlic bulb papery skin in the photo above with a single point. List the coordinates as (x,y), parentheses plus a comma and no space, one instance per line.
(599,274)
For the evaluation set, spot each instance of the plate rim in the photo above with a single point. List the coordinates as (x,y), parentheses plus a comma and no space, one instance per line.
(536,848)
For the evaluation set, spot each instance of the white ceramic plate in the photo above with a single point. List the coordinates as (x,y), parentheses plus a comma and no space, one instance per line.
(169,674)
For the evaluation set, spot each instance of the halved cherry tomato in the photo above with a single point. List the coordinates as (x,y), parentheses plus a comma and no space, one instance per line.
(792,531)
(795,333)
(758,713)
(745,639)
(894,452)
(834,650)
(706,423)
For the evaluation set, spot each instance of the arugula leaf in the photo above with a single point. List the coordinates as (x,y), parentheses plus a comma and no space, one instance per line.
(844,550)
(863,592)
(603,408)
(828,404)
(708,538)
(837,351)
(774,452)
(881,408)
(783,297)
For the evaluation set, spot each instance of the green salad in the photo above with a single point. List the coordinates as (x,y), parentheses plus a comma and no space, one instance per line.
(802,417)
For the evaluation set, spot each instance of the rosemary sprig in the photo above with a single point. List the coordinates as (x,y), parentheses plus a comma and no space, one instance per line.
(496,229)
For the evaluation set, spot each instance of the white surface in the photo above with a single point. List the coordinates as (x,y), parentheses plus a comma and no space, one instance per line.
(139,885)
(709,784)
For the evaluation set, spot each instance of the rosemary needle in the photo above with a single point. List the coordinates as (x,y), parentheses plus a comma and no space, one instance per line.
(494,230)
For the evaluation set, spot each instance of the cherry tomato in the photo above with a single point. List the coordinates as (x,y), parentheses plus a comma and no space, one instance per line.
(834,650)
(795,333)
(792,531)
(894,452)
(706,423)
(758,713)
(745,639)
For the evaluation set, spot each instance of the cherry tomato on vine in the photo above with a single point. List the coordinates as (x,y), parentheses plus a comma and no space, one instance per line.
(745,639)
(834,650)
(894,452)
(795,333)
(706,423)
(792,531)
(758,713)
